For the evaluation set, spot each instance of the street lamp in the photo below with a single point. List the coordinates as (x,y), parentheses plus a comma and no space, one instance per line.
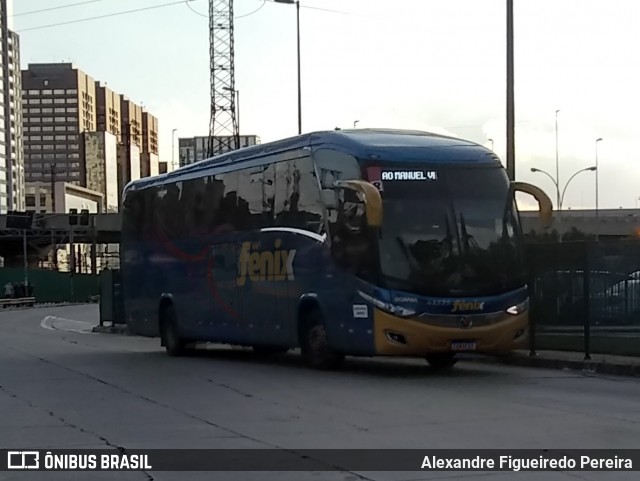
(173,148)
(355,122)
(297,4)
(598,140)
(555,182)
(491,140)
(557,161)
(587,169)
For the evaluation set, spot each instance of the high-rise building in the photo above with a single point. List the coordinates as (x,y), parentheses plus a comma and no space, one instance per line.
(194,149)
(149,156)
(78,130)
(59,106)
(12,187)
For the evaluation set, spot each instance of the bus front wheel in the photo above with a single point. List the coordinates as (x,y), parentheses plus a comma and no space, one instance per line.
(170,338)
(441,361)
(314,343)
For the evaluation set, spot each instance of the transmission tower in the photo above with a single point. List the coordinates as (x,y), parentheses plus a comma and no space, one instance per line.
(223,127)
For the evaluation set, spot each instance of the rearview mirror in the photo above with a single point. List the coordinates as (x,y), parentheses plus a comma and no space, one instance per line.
(545,207)
(372,199)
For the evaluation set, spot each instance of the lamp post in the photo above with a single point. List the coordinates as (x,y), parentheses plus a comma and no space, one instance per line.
(598,140)
(587,169)
(297,4)
(173,149)
(355,122)
(557,161)
(555,182)
(491,140)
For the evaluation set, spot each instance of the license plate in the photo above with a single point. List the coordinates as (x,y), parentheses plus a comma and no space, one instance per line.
(463,346)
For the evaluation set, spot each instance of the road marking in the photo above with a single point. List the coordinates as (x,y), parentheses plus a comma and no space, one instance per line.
(54,323)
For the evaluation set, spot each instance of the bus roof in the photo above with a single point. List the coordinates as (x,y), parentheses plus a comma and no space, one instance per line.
(365,144)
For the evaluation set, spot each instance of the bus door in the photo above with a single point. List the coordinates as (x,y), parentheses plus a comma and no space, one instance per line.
(223,283)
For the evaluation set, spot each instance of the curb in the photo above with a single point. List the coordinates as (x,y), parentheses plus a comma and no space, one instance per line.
(46,304)
(113,329)
(597,367)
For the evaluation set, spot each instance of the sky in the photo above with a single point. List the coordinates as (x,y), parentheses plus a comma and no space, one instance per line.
(429,65)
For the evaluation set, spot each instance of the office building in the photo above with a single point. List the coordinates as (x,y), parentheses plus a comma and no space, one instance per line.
(79,131)
(194,149)
(12,182)
(59,106)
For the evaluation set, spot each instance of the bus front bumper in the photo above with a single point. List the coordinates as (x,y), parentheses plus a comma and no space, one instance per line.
(395,336)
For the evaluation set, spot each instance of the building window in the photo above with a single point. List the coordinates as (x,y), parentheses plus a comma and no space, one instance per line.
(34,138)
(61,147)
(34,111)
(59,101)
(72,137)
(47,138)
(71,128)
(47,101)
(47,147)
(74,146)
(71,119)
(72,92)
(60,119)
(35,147)
(60,110)
(72,110)
(46,91)
(58,92)
(30,200)
(47,120)
(72,100)
(61,137)
(60,128)
(33,101)
(75,165)
(33,92)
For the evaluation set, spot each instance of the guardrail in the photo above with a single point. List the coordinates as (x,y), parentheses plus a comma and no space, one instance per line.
(19,302)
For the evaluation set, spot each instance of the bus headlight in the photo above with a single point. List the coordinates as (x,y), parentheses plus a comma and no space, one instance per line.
(519,308)
(394,309)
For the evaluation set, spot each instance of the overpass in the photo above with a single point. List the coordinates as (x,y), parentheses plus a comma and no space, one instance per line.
(611,223)
(48,230)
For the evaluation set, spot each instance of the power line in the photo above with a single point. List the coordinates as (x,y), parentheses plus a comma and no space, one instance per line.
(264,2)
(124,12)
(68,5)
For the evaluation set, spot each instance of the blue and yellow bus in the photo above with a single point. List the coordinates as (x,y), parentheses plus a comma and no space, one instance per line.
(350,242)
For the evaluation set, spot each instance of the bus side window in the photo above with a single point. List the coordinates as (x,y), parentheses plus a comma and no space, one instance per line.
(297,195)
(254,190)
(225,203)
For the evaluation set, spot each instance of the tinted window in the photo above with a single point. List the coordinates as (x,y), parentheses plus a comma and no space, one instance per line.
(297,197)
(254,191)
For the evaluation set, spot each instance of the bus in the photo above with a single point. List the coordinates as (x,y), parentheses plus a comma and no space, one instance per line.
(367,242)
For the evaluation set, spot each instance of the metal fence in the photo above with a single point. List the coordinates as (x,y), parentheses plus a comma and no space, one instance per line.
(585,296)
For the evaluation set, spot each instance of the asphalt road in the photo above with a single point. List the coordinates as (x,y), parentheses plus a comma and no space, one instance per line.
(62,386)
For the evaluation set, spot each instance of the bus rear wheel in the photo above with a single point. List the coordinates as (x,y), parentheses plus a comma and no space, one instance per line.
(169,336)
(314,343)
(441,361)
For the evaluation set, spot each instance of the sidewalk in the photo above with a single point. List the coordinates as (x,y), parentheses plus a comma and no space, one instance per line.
(599,363)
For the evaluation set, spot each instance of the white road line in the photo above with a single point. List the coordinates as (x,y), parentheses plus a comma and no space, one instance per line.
(49,322)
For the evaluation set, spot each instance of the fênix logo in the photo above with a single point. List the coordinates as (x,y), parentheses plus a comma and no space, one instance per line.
(464,306)
(265,265)
(23,460)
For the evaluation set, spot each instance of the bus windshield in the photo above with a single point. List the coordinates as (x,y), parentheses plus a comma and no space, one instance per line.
(450,232)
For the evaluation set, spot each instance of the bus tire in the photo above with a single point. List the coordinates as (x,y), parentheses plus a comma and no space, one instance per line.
(441,361)
(314,343)
(169,336)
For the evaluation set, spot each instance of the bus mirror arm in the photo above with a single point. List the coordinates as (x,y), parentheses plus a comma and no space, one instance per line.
(372,199)
(545,206)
